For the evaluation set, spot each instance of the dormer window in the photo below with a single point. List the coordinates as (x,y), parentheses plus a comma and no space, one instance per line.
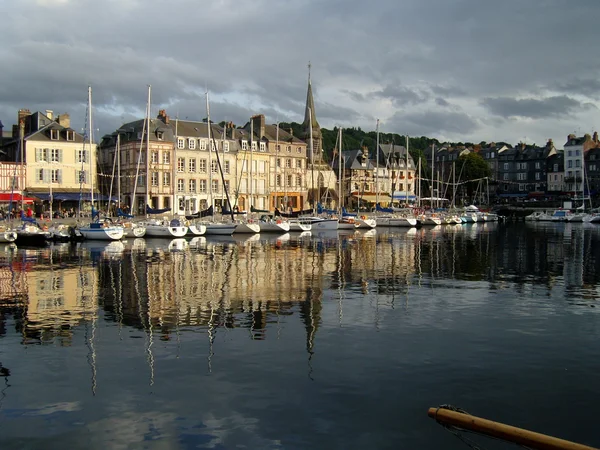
(70,135)
(160,135)
(263,147)
(253,146)
(202,144)
(226,146)
(54,135)
(180,144)
(192,144)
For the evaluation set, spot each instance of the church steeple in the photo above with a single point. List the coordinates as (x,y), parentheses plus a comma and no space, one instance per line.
(310,121)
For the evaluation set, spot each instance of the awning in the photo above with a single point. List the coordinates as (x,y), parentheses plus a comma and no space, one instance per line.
(513,195)
(399,195)
(7,197)
(372,198)
(72,196)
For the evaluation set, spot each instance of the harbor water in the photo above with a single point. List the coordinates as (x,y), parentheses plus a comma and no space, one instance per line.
(332,340)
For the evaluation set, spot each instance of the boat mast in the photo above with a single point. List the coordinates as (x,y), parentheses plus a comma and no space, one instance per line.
(148,150)
(210,149)
(91,139)
(223,153)
(377,168)
(174,164)
(139,159)
(277,159)
(340,170)
(251,162)
(119,169)
(406,185)
(432,172)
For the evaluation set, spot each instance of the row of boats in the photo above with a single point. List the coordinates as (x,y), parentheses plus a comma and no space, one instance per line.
(29,232)
(563,215)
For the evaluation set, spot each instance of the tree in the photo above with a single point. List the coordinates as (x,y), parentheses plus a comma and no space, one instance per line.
(474,168)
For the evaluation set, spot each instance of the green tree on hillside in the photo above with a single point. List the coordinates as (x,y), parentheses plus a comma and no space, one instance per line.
(473,167)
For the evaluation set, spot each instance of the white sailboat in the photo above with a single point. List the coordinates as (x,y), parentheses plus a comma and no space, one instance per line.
(97,230)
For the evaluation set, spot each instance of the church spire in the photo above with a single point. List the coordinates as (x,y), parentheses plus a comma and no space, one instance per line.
(310,121)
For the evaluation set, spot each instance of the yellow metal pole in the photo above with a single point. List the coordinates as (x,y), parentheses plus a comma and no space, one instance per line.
(501,431)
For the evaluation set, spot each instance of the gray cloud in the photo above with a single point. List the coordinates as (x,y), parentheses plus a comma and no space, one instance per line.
(447,54)
(533,108)
(434,123)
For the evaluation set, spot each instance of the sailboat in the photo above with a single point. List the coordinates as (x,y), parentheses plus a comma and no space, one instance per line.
(96,229)
(212,227)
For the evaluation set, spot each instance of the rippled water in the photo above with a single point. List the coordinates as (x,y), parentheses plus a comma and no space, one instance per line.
(300,341)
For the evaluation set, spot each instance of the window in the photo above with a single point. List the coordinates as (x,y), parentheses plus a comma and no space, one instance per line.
(214,167)
(298,164)
(289,180)
(299,149)
(180,144)
(263,146)
(202,144)
(278,180)
(278,148)
(577,163)
(538,165)
(505,176)
(226,185)
(537,176)
(289,149)
(180,185)
(492,155)
(160,135)
(555,169)
(244,145)
(166,158)
(570,164)
(299,180)
(82,176)
(226,146)
(570,153)
(227,167)
(202,186)
(202,166)
(253,146)
(505,166)
(278,164)
(192,144)
(154,179)
(41,154)
(521,187)
(70,135)
(192,165)
(192,186)
(214,146)
(555,177)
(577,153)
(54,135)
(40,175)
(166,179)
(180,164)
(154,157)
(288,163)
(55,155)
(142,180)
(521,176)
(215,186)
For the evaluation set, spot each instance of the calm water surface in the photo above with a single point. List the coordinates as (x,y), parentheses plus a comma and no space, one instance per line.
(300,341)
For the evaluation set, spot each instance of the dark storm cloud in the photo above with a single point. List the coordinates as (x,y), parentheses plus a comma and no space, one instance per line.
(401,95)
(434,123)
(445,53)
(536,109)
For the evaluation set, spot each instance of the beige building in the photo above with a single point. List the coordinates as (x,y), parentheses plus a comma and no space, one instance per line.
(59,161)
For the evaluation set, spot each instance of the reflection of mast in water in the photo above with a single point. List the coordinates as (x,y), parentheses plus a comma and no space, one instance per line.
(148,327)
(89,337)
(211,338)
(341,284)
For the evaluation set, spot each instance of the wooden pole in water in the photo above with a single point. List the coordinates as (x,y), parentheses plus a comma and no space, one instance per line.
(501,431)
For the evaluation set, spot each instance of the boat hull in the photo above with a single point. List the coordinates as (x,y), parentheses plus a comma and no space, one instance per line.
(109,233)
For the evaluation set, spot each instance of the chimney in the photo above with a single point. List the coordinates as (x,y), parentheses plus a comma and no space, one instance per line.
(291,132)
(64,120)
(550,143)
(162,115)
(596,137)
(50,114)
(23,113)
(232,126)
(259,122)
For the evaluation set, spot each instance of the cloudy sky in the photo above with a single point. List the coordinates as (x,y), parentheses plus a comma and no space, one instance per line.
(460,70)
